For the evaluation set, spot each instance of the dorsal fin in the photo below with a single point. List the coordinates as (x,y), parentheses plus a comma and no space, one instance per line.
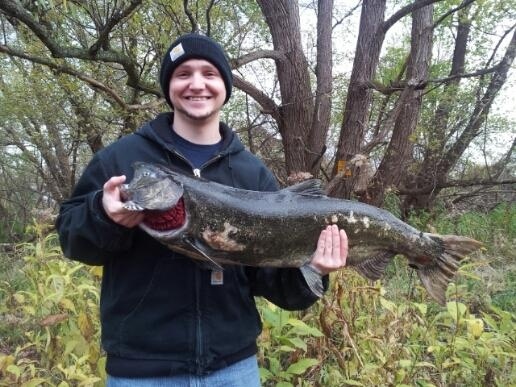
(312,187)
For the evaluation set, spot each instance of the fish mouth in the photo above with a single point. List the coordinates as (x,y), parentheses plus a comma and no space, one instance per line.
(167,220)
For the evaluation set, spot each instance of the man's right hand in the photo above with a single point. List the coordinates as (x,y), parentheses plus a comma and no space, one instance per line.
(114,207)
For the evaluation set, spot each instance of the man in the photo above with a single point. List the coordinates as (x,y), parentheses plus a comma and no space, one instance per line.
(167,320)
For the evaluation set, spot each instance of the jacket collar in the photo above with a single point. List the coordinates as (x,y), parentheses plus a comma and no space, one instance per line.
(159,131)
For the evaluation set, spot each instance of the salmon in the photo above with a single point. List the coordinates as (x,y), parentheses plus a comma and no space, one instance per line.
(219,224)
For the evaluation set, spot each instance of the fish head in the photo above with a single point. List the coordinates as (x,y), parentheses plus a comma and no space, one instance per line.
(151,188)
(158,193)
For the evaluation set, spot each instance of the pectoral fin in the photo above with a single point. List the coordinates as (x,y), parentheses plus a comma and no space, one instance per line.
(313,279)
(211,263)
(374,267)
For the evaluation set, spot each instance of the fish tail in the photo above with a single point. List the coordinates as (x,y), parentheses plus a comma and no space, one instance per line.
(436,275)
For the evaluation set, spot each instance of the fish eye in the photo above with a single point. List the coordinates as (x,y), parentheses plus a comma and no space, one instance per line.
(148,174)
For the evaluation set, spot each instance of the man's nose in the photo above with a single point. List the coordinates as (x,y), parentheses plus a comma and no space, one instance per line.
(197,81)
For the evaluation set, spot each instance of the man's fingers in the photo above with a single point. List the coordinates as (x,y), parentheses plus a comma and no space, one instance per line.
(344,248)
(113,182)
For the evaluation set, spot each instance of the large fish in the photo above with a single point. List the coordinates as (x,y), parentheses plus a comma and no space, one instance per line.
(221,224)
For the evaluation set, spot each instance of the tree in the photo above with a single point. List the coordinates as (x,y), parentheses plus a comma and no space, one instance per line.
(403,110)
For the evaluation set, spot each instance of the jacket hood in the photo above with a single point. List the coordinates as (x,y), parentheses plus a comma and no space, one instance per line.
(159,131)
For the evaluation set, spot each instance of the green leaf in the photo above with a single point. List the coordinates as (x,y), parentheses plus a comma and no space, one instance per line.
(304,329)
(350,382)
(456,309)
(421,307)
(425,364)
(34,382)
(389,305)
(298,343)
(265,374)
(14,369)
(301,366)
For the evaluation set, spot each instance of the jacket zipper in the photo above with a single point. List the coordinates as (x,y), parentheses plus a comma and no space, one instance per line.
(198,280)
(199,333)
(197,171)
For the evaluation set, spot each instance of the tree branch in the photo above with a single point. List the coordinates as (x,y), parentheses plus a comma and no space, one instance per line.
(260,54)
(115,18)
(267,104)
(398,86)
(93,83)
(454,183)
(16,10)
(464,4)
(405,11)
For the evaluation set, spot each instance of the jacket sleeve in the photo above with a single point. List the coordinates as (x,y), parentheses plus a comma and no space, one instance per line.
(85,232)
(285,287)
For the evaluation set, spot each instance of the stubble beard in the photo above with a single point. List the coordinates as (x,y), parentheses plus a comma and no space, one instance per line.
(197,117)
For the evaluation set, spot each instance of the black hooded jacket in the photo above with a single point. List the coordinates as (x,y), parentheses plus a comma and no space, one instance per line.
(161,315)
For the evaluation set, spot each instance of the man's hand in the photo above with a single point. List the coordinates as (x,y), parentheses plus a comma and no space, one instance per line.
(114,207)
(332,250)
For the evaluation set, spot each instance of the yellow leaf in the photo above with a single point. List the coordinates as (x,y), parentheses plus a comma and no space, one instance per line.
(85,326)
(476,327)
(96,271)
(5,361)
(19,298)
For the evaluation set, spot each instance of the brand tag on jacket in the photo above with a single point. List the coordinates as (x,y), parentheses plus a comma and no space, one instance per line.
(217,277)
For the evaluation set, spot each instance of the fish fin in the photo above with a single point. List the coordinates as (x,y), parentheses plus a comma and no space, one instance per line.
(132,206)
(437,275)
(311,187)
(313,279)
(211,263)
(374,267)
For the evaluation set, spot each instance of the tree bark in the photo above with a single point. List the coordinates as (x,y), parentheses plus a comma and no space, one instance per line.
(358,101)
(398,155)
(297,105)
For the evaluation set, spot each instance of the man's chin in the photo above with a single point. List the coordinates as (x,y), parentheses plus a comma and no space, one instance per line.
(198,116)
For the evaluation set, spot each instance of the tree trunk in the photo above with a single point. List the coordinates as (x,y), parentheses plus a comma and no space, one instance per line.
(356,111)
(398,156)
(323,71)
(297,105)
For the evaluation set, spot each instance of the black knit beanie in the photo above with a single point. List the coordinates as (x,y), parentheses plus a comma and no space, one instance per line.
(194,46)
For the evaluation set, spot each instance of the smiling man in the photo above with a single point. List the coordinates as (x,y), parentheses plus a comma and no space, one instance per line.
(166,319)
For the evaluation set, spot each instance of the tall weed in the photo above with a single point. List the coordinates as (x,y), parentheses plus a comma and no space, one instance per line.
(50,318)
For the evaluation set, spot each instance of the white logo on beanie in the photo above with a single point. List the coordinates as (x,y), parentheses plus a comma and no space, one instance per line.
(176,52)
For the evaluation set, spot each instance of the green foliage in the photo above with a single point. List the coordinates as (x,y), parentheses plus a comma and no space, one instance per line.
(360,334)
(50,320)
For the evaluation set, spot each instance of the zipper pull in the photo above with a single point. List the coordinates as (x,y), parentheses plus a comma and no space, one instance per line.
(197,172)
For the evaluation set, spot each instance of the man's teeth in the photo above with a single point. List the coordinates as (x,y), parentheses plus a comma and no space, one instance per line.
(197,98)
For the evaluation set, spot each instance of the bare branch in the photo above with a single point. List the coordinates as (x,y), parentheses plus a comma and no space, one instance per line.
(455,183)
(15,9)
(267,104)
(116,17)
(464,4)
(260,54)
(405,11)
(93,83)
(193,22)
